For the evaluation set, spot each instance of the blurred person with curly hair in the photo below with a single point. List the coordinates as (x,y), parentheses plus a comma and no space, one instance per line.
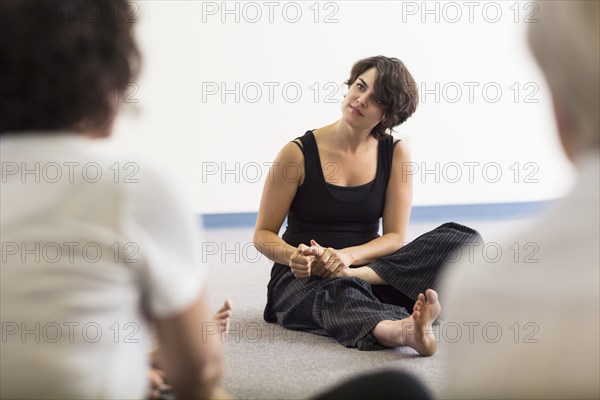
(90,258)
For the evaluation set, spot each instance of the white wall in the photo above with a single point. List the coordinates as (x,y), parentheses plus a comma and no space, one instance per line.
(188,51)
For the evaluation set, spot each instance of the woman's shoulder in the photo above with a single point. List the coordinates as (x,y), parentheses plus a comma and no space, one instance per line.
(400,156)
(400,150)
(306,137)
(293,151)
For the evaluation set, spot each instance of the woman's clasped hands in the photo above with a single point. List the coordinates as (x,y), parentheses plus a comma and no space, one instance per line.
(316,260)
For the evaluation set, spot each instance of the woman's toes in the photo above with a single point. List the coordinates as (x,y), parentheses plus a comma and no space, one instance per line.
(418,305)
(432,296)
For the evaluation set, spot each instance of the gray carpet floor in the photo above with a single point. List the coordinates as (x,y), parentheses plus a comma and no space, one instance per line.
(265,361)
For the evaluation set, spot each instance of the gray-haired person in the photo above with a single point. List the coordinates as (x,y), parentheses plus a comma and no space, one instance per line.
(530,329)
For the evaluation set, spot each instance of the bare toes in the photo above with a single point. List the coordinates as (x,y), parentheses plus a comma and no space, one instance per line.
(432,296)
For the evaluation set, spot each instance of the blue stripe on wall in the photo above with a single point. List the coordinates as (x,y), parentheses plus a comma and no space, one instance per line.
(491,211)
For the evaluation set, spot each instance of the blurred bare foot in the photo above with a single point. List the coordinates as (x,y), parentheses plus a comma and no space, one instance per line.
(223,316)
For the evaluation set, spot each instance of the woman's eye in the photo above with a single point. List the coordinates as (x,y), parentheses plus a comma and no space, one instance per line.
(360,86)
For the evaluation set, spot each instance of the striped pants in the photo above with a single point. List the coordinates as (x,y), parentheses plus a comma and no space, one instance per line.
(348,308)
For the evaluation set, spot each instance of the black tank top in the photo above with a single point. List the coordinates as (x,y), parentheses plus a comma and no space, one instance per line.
(337,216)
(334,216)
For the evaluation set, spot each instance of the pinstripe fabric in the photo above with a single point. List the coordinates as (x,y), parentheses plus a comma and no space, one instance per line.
(347,309)
(343,308)
(417,265)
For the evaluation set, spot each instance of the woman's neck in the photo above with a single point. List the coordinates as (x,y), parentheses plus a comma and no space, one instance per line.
(344,137)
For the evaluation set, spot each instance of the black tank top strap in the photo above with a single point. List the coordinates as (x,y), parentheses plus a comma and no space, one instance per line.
(386,155)
(395,142)
(300,146)
(311,159)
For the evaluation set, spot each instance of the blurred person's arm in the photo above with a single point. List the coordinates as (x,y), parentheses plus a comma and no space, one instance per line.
(159,380)
(160,221)
(191,351)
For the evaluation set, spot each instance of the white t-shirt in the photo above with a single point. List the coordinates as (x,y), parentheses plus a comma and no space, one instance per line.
(529,320)
(91,244)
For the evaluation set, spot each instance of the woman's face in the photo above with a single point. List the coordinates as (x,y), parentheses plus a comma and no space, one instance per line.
(360,109)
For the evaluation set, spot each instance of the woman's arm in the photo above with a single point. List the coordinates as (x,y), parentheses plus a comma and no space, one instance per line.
(285,175)
(396,212)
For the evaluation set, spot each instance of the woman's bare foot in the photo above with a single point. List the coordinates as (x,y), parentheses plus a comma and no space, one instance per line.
(222,316)
(414,331)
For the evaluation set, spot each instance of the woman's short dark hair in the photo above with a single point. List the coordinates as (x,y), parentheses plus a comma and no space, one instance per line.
(64,64)
(394,87)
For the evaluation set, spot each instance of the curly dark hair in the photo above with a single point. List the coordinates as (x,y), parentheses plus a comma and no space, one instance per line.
(64,64)
(395,88)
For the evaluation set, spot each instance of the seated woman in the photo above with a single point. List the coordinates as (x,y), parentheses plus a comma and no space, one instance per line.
(333,274)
